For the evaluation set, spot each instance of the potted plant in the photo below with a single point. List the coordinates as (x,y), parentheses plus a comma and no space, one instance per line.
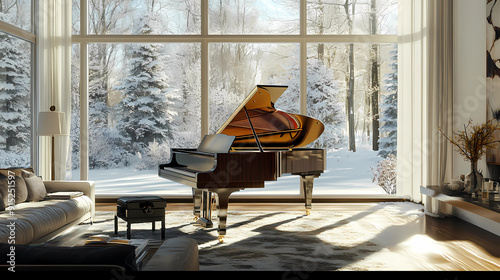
(472,143)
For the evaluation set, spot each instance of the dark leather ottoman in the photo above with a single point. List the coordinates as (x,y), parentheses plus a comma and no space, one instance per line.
(141,209)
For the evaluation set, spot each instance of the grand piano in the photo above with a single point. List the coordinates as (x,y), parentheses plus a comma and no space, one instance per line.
(258,143)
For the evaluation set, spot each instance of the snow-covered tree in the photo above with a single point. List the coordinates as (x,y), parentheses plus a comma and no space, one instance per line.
(106,148)
(15,99)
(322,101)
(146,106)
(389,111)
(186,61)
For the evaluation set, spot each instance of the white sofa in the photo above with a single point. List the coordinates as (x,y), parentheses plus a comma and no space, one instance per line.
(36,222)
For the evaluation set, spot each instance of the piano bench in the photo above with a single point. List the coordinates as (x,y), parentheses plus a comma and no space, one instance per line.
(140,209)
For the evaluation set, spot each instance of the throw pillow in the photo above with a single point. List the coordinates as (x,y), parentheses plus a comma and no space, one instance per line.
(3,189)
(34,184)
(21,191)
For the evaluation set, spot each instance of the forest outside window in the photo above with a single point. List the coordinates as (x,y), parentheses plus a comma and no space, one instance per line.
(217,51)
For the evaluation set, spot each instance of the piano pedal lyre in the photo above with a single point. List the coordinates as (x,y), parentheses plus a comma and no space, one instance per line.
(213,202)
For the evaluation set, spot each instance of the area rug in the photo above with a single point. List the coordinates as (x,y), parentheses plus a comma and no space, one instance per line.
(346,239)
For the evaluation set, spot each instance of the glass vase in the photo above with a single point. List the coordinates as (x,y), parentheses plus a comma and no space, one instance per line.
(473,180)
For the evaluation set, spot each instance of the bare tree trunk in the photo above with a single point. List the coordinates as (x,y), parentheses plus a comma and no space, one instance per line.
(375,83)
(375,98)
(350,90)
(321,46)
(350,101)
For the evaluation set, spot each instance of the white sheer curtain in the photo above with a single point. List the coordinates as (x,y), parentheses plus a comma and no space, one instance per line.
(425,95)
(54,78)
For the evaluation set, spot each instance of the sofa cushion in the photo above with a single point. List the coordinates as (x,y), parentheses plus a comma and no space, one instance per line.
(23,232)
(35,220)
(44,220)
(73,208)
(120,255)
(34,184)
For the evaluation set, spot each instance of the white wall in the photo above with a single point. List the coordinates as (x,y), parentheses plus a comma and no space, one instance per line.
(469,72)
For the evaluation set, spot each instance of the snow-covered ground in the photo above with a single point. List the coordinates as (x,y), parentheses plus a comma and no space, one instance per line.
(347,173)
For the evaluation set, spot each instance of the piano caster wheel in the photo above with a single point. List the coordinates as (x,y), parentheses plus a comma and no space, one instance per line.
(308,212)
(220,238)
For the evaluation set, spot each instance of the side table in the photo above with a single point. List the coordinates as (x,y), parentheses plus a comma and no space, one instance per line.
(140,209)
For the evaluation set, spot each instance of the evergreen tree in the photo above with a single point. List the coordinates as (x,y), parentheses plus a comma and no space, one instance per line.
(106,146)
(147,100)
(322,101)
(15,99)
(389,111)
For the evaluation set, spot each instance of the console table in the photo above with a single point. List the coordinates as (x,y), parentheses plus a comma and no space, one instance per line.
(483,215)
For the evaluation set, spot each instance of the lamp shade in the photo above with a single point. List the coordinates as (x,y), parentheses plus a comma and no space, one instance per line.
(50,123)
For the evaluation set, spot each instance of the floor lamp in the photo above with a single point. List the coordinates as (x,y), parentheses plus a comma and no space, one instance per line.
(50,124)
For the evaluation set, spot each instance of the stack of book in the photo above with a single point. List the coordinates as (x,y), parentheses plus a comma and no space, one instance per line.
(63,195)
(103,239)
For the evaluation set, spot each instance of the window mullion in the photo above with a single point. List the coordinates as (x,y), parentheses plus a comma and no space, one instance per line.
(204,71)
(235,38)
(17,32)
(84,94)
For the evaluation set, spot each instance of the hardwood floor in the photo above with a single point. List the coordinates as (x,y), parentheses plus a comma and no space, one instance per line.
(463,246)
(436,244)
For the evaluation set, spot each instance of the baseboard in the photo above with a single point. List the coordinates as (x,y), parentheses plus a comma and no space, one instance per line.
(245,198)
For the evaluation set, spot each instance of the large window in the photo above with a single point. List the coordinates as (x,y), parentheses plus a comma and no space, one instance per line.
(15,84)
(163,73)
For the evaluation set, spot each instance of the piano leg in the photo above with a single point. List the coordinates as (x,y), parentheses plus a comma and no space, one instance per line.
(202,207)
(207,209)
(197,203)
(307,186)
(222,205)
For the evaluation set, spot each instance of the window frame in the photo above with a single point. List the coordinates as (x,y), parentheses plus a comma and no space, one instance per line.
(30,37)
(84,39)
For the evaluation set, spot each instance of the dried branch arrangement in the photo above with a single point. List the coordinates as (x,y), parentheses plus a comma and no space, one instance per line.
(472,141)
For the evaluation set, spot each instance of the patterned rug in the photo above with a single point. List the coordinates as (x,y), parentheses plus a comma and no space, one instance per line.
(284,241)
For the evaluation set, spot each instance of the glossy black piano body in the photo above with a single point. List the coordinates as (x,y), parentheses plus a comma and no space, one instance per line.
(223,164)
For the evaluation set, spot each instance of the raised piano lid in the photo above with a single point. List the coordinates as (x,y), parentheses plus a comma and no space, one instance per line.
(275,129)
